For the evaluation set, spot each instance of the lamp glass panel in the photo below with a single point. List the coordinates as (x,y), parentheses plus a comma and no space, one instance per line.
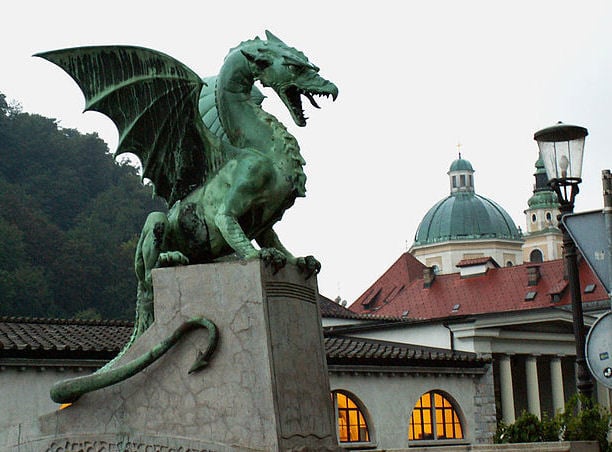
(562,159)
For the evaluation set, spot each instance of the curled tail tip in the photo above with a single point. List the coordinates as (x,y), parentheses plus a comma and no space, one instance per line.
(197,367)
(200,362)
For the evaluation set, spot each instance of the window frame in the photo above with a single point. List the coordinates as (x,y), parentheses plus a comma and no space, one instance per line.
(362,413)
(431,415)
(537,254)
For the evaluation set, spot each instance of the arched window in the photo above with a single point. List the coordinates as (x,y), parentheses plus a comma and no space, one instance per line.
(352,424)
(536,256)
(434,418)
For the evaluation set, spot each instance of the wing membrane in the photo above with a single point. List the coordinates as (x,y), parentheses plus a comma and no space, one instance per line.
(153,100)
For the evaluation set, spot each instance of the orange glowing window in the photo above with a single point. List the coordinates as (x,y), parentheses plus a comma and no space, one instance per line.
(434,418)
(352,425)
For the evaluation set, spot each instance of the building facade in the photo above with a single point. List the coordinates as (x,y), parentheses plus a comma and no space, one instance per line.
(520,316)
(366,377)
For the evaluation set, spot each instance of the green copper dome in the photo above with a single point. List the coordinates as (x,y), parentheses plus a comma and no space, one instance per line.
(465,216)
(461,165)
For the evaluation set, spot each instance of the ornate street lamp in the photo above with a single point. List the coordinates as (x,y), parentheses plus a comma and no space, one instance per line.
(561,149)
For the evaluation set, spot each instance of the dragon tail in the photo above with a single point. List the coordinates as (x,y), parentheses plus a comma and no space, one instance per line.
(69,391)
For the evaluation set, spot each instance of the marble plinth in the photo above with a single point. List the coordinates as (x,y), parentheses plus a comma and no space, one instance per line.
(266,387)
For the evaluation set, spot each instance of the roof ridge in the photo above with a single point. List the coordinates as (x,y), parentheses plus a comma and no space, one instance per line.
(59,321)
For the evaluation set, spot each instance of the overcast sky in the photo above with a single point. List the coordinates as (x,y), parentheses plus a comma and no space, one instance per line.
(415,79)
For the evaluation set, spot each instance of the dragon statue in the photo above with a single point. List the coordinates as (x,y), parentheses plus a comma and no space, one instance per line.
(227,169)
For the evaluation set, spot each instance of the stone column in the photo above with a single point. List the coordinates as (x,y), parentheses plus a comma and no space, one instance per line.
(556,381)
(506,389)
(533,390)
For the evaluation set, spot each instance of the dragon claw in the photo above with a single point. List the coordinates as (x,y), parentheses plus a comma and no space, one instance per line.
(171,259)
(308,265)
(273,257)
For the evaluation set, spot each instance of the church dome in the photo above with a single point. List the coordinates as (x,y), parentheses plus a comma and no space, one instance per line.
(464,215)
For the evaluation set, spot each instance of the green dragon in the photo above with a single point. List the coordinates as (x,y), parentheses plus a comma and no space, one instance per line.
(227,168)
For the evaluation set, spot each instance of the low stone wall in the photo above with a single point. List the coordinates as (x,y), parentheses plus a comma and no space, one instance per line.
(557,446)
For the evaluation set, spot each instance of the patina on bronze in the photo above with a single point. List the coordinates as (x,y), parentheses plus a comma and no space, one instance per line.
(227,168)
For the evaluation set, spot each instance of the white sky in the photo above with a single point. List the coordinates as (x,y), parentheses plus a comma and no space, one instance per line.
(415,79)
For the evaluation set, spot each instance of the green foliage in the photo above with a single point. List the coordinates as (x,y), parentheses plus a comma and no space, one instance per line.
(582,420)
(552,428)
(526,429)
(69,220)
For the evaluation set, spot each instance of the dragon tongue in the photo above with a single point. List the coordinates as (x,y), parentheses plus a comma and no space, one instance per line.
(311,99)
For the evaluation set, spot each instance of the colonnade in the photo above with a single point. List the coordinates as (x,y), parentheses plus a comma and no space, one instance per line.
(532,386)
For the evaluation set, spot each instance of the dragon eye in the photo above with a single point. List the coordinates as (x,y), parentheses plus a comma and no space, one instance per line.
(299,68)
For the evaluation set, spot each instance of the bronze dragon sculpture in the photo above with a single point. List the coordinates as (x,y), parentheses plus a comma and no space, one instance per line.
(227,168)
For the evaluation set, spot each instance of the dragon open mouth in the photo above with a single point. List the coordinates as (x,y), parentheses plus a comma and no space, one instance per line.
(292,97)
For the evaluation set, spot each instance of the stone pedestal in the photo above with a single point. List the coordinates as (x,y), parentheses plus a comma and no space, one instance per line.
(266,387)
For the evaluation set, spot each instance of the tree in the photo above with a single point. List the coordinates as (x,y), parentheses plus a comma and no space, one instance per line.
(69,221)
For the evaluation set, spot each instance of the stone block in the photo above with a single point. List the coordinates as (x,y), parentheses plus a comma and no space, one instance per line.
(266,387)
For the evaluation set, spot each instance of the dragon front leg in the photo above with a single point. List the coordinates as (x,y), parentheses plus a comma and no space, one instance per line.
(236,238)
(307,264)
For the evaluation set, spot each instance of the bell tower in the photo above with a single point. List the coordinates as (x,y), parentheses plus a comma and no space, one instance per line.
(543,238)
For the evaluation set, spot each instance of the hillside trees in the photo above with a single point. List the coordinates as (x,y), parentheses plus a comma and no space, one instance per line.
(69,221)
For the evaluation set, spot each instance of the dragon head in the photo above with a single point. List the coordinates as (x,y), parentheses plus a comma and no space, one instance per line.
(289,73)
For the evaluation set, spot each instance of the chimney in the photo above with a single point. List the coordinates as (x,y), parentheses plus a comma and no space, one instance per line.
(429,275)
(533,275)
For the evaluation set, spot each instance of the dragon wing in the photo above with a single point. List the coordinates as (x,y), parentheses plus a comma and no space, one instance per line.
(153,100)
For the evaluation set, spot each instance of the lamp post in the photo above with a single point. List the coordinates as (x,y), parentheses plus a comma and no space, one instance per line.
(561,149)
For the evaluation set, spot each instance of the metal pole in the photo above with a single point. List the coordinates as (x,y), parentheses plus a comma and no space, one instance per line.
(606,178)
(584,383)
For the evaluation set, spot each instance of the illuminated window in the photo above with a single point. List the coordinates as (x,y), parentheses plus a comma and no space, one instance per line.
(434,418)
(352,425)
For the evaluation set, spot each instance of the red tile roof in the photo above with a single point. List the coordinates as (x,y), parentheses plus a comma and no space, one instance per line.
(499,290)
(390,285)
(333,310)
(477,261)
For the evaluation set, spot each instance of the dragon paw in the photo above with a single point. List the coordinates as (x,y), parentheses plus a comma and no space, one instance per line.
(171,259)
(273,257)
(308,265)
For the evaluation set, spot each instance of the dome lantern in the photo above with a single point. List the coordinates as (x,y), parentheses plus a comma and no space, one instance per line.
(461,176)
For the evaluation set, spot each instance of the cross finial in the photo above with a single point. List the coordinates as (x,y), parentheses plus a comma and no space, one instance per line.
(459,148)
